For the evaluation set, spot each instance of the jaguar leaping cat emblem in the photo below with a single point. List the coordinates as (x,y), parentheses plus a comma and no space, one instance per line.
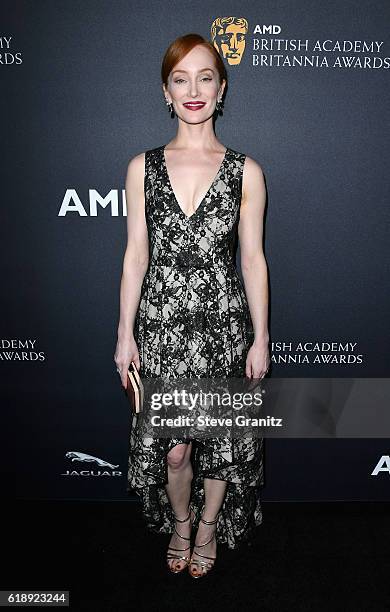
(76,456)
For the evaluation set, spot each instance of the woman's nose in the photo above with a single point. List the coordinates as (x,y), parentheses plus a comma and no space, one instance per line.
(194,89)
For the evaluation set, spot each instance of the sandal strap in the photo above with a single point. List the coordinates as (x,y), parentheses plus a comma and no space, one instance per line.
(201,563)
(210,522)
(186,519)
(182,521)
(204,556)
(213,536)
(179,549)
(180,536)
(208,542)
(174,556)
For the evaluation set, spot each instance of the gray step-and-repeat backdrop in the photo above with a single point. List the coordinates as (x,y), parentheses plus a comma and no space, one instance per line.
(309,99)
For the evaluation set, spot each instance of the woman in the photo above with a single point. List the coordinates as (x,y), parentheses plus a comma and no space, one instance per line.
(184,311)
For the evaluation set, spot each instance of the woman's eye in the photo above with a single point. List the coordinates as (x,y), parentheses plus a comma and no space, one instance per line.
(203,79)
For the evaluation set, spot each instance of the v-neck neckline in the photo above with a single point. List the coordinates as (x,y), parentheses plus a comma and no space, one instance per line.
(164,164)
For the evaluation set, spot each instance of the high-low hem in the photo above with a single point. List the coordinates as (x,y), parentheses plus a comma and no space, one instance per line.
(241,511)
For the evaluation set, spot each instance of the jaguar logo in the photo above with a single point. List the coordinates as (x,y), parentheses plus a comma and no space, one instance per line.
(76,456)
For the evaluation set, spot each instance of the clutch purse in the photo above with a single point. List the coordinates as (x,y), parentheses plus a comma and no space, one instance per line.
(134,389)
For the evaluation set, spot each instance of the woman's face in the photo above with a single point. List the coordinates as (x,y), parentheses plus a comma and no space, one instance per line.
(194,79)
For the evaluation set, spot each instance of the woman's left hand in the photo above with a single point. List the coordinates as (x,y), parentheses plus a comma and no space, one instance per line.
(258,360)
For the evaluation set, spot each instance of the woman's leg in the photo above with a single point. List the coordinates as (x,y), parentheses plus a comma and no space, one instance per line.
(179,492)
(214,491)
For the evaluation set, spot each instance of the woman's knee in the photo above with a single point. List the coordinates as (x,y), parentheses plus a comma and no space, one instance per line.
(179,456)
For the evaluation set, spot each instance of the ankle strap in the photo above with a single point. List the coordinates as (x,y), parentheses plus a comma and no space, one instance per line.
(183,520)
(210,522)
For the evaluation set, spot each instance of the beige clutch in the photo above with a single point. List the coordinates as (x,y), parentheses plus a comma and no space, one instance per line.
(134,389)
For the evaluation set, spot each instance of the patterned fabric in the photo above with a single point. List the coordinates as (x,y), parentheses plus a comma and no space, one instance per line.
(193,320)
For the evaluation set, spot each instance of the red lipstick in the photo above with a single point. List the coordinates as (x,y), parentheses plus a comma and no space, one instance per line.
(194,105)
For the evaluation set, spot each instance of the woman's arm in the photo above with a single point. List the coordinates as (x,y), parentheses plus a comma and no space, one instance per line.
(253,265)
(135,265)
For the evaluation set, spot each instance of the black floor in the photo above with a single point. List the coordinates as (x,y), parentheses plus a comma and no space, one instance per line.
(305,557)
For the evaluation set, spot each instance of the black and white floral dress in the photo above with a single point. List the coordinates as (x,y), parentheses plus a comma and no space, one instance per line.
(193,320)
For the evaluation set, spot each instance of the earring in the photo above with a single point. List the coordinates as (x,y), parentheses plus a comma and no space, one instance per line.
(219,107)
(170,108)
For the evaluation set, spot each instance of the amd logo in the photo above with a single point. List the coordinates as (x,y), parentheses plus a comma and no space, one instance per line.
(267,29)
(383,465)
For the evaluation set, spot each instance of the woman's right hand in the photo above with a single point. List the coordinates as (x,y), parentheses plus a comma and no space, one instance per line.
(126,351)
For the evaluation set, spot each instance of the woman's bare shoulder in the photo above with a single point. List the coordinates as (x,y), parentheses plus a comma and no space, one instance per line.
(253,187)
(136,168)
(252,168)
(136,164)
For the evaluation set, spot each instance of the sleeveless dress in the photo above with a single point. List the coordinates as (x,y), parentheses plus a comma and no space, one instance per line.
(193,320)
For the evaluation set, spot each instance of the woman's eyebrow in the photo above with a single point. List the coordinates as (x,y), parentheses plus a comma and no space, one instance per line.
(185,71)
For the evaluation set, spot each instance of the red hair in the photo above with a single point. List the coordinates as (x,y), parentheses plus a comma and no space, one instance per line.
(183,45)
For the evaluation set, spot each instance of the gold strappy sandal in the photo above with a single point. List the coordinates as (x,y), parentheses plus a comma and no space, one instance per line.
(201,564)
(175,555)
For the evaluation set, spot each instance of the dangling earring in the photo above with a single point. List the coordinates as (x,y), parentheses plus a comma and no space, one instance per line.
(170,108)
(219,107)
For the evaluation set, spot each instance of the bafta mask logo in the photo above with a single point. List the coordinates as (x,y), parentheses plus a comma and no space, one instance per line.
(228,37)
